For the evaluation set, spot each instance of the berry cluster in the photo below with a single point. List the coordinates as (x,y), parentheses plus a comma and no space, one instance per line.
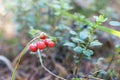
(42,44)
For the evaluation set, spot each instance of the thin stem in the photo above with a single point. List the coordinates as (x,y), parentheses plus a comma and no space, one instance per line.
(41,62)
(111,62)
(75,70)
(20,57)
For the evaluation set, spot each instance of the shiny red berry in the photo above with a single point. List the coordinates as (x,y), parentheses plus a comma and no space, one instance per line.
(43,35)
(46,41)
(51,44)
(41,45)
(33,47)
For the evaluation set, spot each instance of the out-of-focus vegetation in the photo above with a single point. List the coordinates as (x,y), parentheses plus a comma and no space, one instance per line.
(90,52)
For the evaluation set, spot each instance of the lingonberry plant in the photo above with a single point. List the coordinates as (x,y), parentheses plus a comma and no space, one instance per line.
(79,39)
(42,43)
(37,45)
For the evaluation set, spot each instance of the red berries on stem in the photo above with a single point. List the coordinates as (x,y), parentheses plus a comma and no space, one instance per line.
(46,41)
(51,44)
(43,35)
(33,47)
(42,44)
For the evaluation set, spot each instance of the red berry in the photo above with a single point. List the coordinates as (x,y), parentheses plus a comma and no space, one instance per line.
(43,35)
(46,41)
(41,45)
(51,44)
(33,47)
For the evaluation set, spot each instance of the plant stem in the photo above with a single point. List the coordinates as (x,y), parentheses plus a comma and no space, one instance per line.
(41,62)
(113,56)
(20,57)
(75,70)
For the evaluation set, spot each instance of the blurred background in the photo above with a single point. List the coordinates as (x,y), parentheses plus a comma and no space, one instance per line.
(21,19)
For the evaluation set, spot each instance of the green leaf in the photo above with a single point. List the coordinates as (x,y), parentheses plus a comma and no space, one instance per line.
(108,30)
(78,49)
(87,57)
(61,27)
(77,40)
(72,32)
(57,6)
(75,57)
(114,23)
(102,72)
(118,61)
(76,61)
(100,18)
(33,32)
(57,13)
(69,44)
(95,43)
(117,47)
(96,18)
(46,27)
(88,52)
(84,34)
